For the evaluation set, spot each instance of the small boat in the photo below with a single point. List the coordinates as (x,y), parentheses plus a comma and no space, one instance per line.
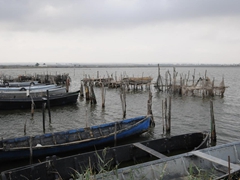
(66,167)
(218,162)
(18,84)
(32,93)
(75,139)
(30,88)
(10,103)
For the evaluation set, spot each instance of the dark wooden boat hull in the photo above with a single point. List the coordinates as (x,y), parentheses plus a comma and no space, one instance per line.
(65,167)
(25,103)
(76,139)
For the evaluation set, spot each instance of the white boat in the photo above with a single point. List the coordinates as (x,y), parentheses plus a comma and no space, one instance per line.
(18,84)
(219,162)
(30,88)
(32,92)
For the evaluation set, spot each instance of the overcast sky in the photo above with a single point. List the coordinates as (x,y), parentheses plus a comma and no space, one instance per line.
(120,31)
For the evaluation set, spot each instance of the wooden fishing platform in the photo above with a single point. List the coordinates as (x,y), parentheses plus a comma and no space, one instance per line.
(128,82)
(203,86)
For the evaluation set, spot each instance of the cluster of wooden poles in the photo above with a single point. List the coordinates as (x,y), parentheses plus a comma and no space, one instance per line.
(202,86)
(90,96)
(124,82)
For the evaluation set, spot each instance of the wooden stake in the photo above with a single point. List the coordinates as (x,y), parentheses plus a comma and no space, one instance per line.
(48,105)
(193,77)
(169,115)
(43,113)
(103,96)
(67,84)
(93,97)
(165,109)
(32,109)
(87,92)
(163,115)
(149,105)
(81,90)
(213,130)
(123,100)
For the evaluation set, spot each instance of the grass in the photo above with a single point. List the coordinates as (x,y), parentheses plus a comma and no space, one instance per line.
(105,170)
(104,165)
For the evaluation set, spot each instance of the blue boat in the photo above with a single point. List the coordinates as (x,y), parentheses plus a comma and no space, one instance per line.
(74,166)
(75,139)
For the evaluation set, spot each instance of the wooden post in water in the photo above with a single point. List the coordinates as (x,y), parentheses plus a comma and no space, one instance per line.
(103,95)
(81,90)
(213,129)
(166,81)
(163,115)
(25,127)
(169,115)
(165,109)
(150,103)
(193,77)
(123,100)
(32,109)
(181,84)
(170,80)
(67,84)
(93,97)
(222,86)
(157,83)
(86,92)
(48,105)
(174,80)
(43,113)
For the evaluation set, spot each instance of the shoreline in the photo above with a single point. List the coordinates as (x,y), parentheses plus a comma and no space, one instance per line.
(116,66)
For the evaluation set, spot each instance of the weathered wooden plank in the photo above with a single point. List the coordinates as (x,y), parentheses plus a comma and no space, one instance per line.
(216,160)
(149,150)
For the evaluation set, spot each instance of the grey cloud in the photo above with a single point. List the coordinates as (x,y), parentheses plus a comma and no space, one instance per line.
(58,15)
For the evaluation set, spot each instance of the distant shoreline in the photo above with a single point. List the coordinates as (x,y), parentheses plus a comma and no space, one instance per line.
(117,66)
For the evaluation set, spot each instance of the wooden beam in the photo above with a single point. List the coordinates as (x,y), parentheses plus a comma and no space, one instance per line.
(149,150)
(216,160)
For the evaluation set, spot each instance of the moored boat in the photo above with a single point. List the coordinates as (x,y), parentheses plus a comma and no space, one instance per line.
(10,103)
(75,139)
(66,167)
(32,93)
(30,88)
(18,84)
(218,162)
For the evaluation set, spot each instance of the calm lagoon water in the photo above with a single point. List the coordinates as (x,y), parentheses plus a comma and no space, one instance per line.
(189,114)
